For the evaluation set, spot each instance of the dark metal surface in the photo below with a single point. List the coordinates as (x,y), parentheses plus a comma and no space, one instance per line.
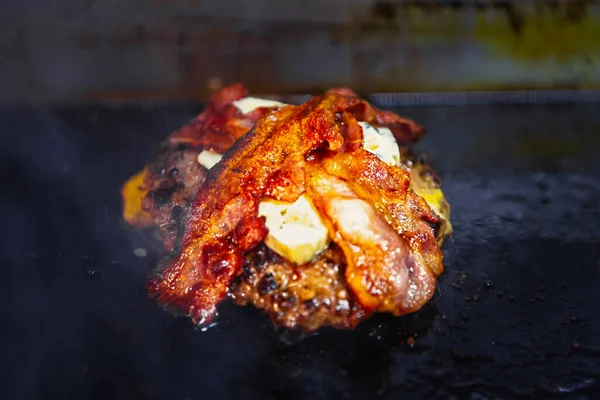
(516,313)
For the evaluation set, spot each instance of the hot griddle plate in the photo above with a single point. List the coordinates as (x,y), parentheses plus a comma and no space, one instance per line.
(516,314)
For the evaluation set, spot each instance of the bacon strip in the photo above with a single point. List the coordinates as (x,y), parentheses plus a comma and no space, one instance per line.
(386,189)
(376,255)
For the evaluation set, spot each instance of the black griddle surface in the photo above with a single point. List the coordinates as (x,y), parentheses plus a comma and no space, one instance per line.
(516,314)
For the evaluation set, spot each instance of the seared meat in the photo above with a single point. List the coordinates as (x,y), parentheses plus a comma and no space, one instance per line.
(298,296)
(160,194)
(172,180)
(383,255)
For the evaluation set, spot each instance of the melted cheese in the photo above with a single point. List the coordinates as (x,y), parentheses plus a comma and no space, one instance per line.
(434,199)
(381,142)
(208,158)
(295,229)
(249,104)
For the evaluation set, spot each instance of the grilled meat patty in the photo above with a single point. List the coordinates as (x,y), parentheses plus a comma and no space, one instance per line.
(306,296)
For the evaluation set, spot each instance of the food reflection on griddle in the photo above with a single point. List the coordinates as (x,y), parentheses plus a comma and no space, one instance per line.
(318,214)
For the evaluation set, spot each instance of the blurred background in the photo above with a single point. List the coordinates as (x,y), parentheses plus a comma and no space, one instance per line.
(88,50)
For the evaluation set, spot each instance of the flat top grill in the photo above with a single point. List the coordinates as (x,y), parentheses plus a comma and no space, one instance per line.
(515,315)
